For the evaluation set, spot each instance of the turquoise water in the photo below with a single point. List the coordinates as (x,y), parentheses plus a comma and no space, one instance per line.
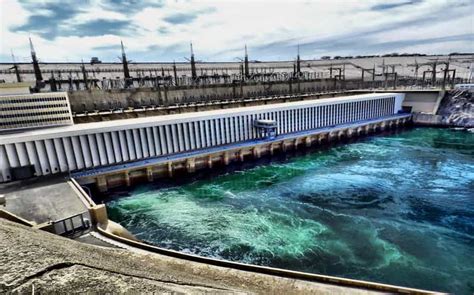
(397,209)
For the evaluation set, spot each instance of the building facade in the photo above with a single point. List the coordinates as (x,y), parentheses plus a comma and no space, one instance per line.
(21,111)
(86,146)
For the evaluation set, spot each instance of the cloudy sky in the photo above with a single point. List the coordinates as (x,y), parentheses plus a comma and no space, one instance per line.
(64,30)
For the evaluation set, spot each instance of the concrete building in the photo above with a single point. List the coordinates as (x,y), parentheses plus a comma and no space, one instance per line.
(86,146)
(21,111)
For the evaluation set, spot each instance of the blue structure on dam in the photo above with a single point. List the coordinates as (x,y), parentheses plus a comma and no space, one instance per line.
(93,145)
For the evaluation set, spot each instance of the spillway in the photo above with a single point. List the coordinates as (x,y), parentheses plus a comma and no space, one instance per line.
(395,209)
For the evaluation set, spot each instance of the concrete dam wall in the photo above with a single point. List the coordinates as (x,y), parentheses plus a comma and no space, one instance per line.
(93,145)
(92,100)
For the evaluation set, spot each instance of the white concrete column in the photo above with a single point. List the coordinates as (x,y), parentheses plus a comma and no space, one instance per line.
(244,127)
(4,165)
(163,140)
(196,135)
(213,132)
(174,138)
(202,133)
(192,139)
(239,129)
(22,154)
(94,150)
(109,148)
(144,142)
(12,156)
(206,134)
(218,132)
(137,143)
(60,152)
(43,157)
(187,140)
(86,151)
(52,157)
(78,155)
(102,148)
(156,140)
(150,141)
(180,137)
(69,151)
(33,157)
(169,139)
(232,129)
(122,136)
(130,145)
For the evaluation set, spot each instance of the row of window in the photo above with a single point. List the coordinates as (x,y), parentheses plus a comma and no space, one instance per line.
(32,99)
(34,106)
(35,122)
(48,113)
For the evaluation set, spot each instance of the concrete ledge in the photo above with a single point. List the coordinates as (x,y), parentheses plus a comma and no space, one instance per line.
(340,282)
(40,262)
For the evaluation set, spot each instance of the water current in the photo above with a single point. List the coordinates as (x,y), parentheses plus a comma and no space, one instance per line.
(396,209)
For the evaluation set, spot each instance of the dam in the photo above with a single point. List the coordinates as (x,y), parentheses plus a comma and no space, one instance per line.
(305,180)
(93,146)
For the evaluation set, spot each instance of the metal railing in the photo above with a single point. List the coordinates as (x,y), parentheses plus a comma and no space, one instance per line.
(70,225)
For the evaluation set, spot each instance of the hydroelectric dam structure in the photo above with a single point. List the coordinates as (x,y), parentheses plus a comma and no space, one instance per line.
(115,153)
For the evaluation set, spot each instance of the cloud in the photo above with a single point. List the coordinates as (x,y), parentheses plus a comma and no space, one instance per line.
(180,18)
(46,18)
(162,30)
(388,5)
(129,6)
(100,27)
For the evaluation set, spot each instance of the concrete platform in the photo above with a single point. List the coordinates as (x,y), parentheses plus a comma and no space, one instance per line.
(42,200)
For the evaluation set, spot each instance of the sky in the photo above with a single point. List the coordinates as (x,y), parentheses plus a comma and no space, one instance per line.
(71,30)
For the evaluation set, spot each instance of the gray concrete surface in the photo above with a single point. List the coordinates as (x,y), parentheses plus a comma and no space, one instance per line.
(42,200)
(34,261)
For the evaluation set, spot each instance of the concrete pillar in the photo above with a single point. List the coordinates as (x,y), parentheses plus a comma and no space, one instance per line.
(340,135)
(127,179)
(350,132)
(99,138)
(308,141)
(99,214)
(320,138)
(101,183)
(170,169)
(241,155)
(256,152)
(52,157)
(33,157)
(225,158)
(94,150)
(4,166)
(58,146)
(191,165)
(149,174)
(209,162)
(367,129)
